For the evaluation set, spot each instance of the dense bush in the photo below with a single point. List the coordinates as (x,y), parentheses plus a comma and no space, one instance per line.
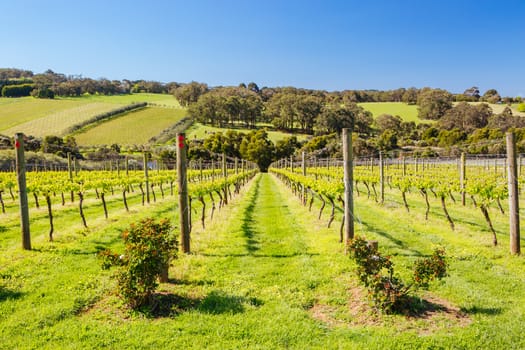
(521,107)
(17,90)
(387,292)
(149,246)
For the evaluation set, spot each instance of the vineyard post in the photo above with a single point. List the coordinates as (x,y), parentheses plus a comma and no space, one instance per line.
(146,176)
(381,177)
(513,195)
(291,164)
(69,167)
(200,170)
(76,166)
(236,166)
(183,194)
(225,175)
(303,168)
(462,173)
(118,167)
(126,162)
(22,193)
(348,181)
(404,166)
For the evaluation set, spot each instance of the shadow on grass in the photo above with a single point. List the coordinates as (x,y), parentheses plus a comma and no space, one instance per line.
(8,294)
(3,229)
(391,238)
(475,310)
(215,303)
(248,222)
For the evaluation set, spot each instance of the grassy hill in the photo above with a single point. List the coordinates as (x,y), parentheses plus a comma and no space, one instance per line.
(39,117)
(131,128)
(409,112)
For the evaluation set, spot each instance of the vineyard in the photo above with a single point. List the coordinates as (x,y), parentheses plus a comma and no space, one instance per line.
(267,268)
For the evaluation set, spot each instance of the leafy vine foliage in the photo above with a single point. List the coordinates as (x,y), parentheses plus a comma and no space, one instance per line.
(387,292)
(149,246)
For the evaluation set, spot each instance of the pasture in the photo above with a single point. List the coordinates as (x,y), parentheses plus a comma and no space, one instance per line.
(131,128)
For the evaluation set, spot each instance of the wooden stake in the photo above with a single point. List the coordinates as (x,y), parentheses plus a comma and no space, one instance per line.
(184,212)
(514,215)
(22,192)
(348,180)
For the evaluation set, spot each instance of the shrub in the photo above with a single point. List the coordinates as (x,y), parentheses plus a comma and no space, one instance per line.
(149,246)
(427,270)
(387,292)
(521,107)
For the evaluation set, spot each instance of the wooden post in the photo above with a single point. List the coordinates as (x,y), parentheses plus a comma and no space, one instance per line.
(146,176)
(462,174)
(514,215)
(22,193)
(236,166)
(348,180)
(76,166)
(184,212)
(127,165)
(291,164)
(69,167)
(225,175)
(381,178)
(201,178)
(404,166)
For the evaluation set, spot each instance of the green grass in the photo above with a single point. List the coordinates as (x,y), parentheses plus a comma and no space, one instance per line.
(57,123)
(407,112)
(131,128)
(161,99)
(264,274)
(41,117)
(200,131)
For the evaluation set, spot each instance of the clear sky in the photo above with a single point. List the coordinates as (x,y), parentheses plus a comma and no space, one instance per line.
(325,44)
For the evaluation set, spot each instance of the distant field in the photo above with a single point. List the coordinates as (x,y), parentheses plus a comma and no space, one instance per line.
(17,111)
(161,99)
(131,128)
(200,131)
(407,112)
(41,117)
(58,123)
(498,108)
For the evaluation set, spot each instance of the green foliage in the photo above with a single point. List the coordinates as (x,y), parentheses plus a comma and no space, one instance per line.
(17,90)
(434,103)
(149,248)
(521,107)
(429,269)
(257,148)
(387,292)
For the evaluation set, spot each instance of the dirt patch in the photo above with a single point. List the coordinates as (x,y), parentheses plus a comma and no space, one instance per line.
(433,314)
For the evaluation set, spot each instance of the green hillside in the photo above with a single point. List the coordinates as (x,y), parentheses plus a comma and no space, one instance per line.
(131,128)
(407,112)
(41,117)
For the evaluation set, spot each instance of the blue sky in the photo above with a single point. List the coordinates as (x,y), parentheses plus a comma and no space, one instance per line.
(329,45)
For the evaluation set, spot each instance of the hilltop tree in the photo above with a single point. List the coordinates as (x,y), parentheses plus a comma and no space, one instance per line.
(491,96)
(434,103)
(466,117)
(335,118)
(388,122)
(190,93)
